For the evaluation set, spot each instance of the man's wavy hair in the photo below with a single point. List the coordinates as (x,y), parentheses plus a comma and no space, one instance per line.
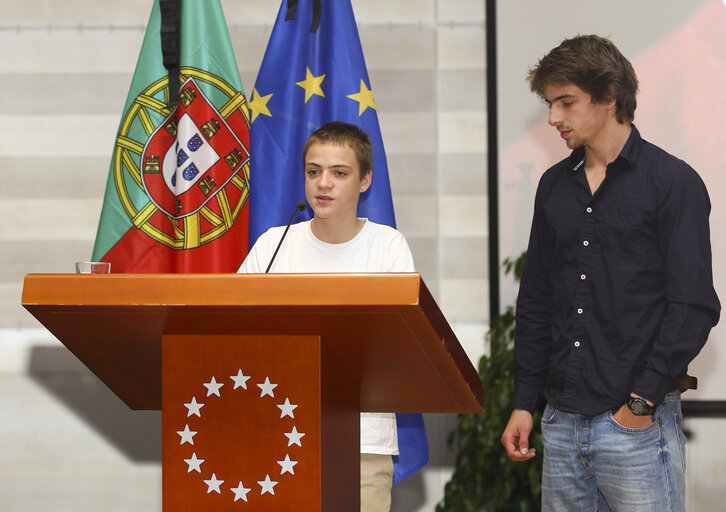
(595,65)
(344,134)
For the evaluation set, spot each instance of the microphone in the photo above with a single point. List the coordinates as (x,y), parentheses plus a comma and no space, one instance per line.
(300,206)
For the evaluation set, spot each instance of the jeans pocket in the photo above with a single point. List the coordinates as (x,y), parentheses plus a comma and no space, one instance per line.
(549,414)
(630,430)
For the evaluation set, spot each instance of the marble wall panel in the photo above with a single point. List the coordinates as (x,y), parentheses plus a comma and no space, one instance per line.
(32,177)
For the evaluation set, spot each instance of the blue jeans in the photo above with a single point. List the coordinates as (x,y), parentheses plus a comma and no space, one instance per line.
(592,463)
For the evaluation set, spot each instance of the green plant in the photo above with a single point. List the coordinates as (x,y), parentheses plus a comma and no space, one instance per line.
(484,478)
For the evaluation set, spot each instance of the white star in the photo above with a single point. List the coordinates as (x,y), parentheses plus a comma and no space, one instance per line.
(240,492)
(213,484)
(240,380)
(287,465)
(294,437)
(213,387)
(267,485)
(194,463)
(187,436)
(286,409)
(194,407)
(267,388)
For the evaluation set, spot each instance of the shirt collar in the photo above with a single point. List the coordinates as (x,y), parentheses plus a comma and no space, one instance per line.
(629,153)
(576,160)
(632,147)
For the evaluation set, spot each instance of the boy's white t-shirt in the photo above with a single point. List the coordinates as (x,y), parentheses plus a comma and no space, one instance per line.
(376,248)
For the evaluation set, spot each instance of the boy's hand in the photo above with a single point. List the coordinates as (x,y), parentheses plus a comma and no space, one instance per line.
(516,436)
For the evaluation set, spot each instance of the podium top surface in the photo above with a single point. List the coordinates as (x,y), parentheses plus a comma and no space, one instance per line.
(385,329)
(221,289)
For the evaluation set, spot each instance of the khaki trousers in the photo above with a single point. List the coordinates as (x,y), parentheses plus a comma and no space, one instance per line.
(376,481)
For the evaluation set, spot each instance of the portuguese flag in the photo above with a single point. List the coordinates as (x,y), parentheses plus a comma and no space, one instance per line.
(176,199)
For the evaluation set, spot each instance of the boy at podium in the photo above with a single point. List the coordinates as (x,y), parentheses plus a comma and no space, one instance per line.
(338,166)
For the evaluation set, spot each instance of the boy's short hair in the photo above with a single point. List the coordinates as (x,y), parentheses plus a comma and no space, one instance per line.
(595,65)
(344,134)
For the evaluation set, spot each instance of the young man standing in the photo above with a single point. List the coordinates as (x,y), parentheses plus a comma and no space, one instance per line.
(338,160)
(616,296)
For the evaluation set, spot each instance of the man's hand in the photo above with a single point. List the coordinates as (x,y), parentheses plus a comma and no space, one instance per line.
(625,417)
(516,436)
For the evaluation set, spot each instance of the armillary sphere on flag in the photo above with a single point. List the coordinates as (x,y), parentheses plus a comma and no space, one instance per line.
(190,162)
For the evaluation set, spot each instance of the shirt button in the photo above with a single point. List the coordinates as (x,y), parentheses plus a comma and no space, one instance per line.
(583,276)
(588,209)
(579,311)
(585,243)
(577,343)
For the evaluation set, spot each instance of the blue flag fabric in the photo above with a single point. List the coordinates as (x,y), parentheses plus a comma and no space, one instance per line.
(306,80)
(313,72)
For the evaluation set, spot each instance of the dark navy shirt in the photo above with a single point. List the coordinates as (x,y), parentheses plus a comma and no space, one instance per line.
(617,291)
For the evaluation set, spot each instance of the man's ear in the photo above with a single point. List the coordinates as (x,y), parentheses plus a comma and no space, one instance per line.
(366,181)
(611,102)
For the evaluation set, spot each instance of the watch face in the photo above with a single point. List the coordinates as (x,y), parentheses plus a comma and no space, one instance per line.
(640,407)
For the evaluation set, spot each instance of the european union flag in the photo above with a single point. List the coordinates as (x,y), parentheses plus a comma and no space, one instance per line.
(313,72)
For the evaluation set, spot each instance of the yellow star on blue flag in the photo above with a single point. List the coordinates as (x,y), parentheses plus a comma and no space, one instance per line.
(311,84)
(258,105)
(364,97)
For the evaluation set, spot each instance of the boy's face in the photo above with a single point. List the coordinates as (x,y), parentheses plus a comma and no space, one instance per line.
(332,181)
(572,111)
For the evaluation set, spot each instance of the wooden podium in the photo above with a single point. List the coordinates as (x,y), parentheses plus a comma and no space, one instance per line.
(261,378)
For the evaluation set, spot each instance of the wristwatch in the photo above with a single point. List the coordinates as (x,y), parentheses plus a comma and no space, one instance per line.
(639,407)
